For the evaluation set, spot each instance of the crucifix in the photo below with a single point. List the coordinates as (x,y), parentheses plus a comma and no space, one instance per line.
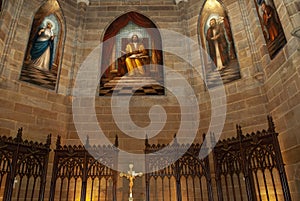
(131,174)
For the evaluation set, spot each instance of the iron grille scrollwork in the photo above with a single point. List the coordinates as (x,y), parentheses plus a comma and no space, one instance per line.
(250,167)
(23,168)
(189,174)
(81,172)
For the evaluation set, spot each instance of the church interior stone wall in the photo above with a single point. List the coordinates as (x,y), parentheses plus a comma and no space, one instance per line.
(266,87)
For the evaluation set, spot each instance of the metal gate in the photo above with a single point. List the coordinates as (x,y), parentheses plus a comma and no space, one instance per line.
(23,168)
(250,167)
(187,179)
(246,168)
(78,175)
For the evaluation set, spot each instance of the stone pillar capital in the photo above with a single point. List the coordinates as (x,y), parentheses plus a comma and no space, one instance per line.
(83,3)
(178,1)
(87,2)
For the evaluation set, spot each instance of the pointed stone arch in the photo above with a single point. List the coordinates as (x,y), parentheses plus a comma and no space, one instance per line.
(116,36)
(220,56)
(47,77)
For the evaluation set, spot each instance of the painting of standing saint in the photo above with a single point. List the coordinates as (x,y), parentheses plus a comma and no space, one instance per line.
(44,48)
(220,59)
(271,26)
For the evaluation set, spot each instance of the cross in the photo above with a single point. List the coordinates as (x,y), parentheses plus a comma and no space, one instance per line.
(131,174)
(15,181)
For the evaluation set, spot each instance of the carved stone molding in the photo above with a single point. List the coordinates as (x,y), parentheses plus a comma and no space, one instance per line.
(87,2)
(260,76)
(83,3)
(296,33)
(178,1)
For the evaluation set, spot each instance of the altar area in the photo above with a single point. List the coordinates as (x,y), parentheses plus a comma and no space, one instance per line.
(246,167)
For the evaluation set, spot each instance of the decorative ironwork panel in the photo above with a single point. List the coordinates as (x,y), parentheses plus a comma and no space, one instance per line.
(23,168)
(186,179)
(250,167)
(247,168)
(79,175)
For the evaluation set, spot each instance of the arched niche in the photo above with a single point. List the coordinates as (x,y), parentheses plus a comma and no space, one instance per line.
(41,65)
(216,39)
(113,64)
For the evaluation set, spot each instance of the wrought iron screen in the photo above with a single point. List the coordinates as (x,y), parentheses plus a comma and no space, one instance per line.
(250,167)
(23,168)
(187,179)
(78,174)
(246,168)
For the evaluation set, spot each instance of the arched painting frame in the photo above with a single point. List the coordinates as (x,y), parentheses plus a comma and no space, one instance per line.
(113,64)
(271,26)
(219,53)
(49,12)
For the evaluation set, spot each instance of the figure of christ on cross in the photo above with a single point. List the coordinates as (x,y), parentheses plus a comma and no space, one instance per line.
(131,174)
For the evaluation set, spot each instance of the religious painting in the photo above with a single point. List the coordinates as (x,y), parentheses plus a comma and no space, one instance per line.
(132,59)
(271,26)
(215,36)
(43,53)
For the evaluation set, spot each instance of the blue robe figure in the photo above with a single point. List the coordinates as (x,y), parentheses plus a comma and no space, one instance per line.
(42,49)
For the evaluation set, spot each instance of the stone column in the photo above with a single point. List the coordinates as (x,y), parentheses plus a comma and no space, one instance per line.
(78,38)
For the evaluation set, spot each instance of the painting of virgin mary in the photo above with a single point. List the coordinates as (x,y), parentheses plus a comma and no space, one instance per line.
(44,48)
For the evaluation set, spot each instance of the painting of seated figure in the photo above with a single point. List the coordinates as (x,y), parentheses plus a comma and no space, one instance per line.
(135,59)
(132,62)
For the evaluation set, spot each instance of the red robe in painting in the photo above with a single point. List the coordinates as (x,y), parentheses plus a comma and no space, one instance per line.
(270,22)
